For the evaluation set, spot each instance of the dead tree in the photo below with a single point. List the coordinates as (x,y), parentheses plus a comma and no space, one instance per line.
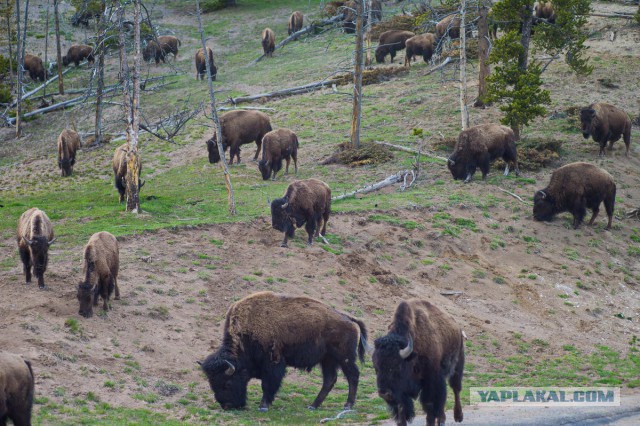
(58,47)
(101,48)
(357,77)
(21,35)
(46,46)
(464,112)
(483,55)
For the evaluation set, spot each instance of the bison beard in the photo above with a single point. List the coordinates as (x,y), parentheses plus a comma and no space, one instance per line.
(212,149)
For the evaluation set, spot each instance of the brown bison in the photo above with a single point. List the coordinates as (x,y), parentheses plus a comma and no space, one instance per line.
(239,127)
(478,146)
(544,10)
(574,188)
(421,45)
(376,11)
(160,48)
(266,332)
(119,165)
(17,387)
(101,264)
(604,123)
(77,53)
(33,64)
(450,26)
(278,145)
(423,349)
(268,41)
(68,144)
(201,64)
(295,22)
(305,202)
(35,235)
(390,42)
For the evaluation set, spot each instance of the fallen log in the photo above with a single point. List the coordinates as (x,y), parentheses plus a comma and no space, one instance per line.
(411,150)
(283,92)
(401,176)
(37,89)
(612,15)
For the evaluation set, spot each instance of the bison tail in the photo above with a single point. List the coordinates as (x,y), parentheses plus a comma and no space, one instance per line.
(179,42)
(363,346)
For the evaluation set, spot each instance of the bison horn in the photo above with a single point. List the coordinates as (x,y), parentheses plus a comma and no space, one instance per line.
(229,371)
(450,161)
(544,194)
(28,241)
(51,242)
(285,205)
(405,352)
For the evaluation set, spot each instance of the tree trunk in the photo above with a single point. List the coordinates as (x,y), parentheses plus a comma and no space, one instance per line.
(20,67)
(368,61)
(133,125)
(10,46)
(464,112)
(483,55)
(58,47)
(100,74)
(527,24)
(516,131)
(357,79)
(46,48)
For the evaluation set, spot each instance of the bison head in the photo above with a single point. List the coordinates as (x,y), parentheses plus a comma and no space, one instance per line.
(212,148)
(149,52)
(228,380)
(65,60)
(586,117)
(39,247)
(265,169)
(394,362)
(281,219)
(456,167)
(85,297)
(543,206)
(66,166)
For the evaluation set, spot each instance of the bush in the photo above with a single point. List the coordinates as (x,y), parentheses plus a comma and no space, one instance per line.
(212,5)
(5,94)
(637,17)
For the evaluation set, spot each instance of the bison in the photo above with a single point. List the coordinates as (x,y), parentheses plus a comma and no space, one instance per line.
(17,387)
(101,263)
(305,201)
(278,145)
(376,11)
(160,48)
(450,26)
(478,146)
(77,53)
(35,235)
(68,144)
(573,188)
(390,42)
(423,45)
(544,10)
(239,127)
(295,22)
(423,349)
(119,165)
(201,64)
(268,41)
(33,64)
(605,122)
(266,332)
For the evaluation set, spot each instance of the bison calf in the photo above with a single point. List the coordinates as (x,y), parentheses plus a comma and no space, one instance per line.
(268,41)
(605,122)
(390,42)
(478,146)
(17,387)
(295,22)
(239,127)
(160,48)
(68,144)
(305,202)
(420,45)
(266,332)
(574,188)
(201,65)
(119,164)
(101,263)
(35,235)
(77,53)
(33,64)
(278,145)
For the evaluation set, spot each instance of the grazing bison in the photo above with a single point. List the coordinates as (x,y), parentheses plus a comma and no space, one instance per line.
(421,45)
(305,201)
(278,145)
(450,26)
(35,235)
(77,53)
(201,64)
(266,332)
(239,127)
(478,146)
(573,188)
(605,122)
(159,49)
(101,263)
(295,22)
(119,165)
(68,144)
(423,349)
(268,41)
(33,64)
(544,10)
(17,386)
(390,42)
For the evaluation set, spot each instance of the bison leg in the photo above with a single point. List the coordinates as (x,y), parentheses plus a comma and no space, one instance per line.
(289,234)
(25,256)
(115,282)
(579,211)
(433,398)
(609,202)
(287,162)
(351,372)
(271,380)
(259,145)
(96,294)
(329,378)
(455,381)
(295,162)
(595,210)
(627,140)
(311,227)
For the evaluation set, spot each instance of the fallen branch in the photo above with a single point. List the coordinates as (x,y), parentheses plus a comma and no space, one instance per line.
(514,195)
(248,108)
(612,15)
(283,92)
(437,67)
(633,213)
(27,95)
(411,150)
(398,177)
(451,293)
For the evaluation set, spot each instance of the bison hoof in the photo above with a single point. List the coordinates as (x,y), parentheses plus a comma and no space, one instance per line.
(348,406)
(264,409)
(311,407)
(284,245)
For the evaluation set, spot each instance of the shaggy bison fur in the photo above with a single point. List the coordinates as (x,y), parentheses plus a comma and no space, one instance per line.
(17,387)
(101,263)
(376,11)
(239,127)
(77,53)
(35,235)
(544,10)
(390,42)
(605,122)
(478,146)
(119,165)
(295,22)
(278,145)
(450,26)
(158,50)
(421,45)
(574,188)
(33,64)
(268,41)
(201,64)
(266,332)
(68,144)
(305,202)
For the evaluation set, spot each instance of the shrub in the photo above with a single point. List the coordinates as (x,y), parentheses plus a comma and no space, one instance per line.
(212,5)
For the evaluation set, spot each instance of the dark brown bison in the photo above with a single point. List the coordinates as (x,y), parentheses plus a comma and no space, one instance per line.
(159,49)
(77,53)
(390,42)
(376,11)
(423,349)
(17,387)
(101,264)
(421,45)
(33,64)
(574,188)
(119,165)
(239,127)
(478,146)
(68,144)
(349,17)
(201,64)
(278,145)
(266,332)
(544,10)
(305,202)
(450,26)
(35,235)
(268,41)
(605,122)
(295,22)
